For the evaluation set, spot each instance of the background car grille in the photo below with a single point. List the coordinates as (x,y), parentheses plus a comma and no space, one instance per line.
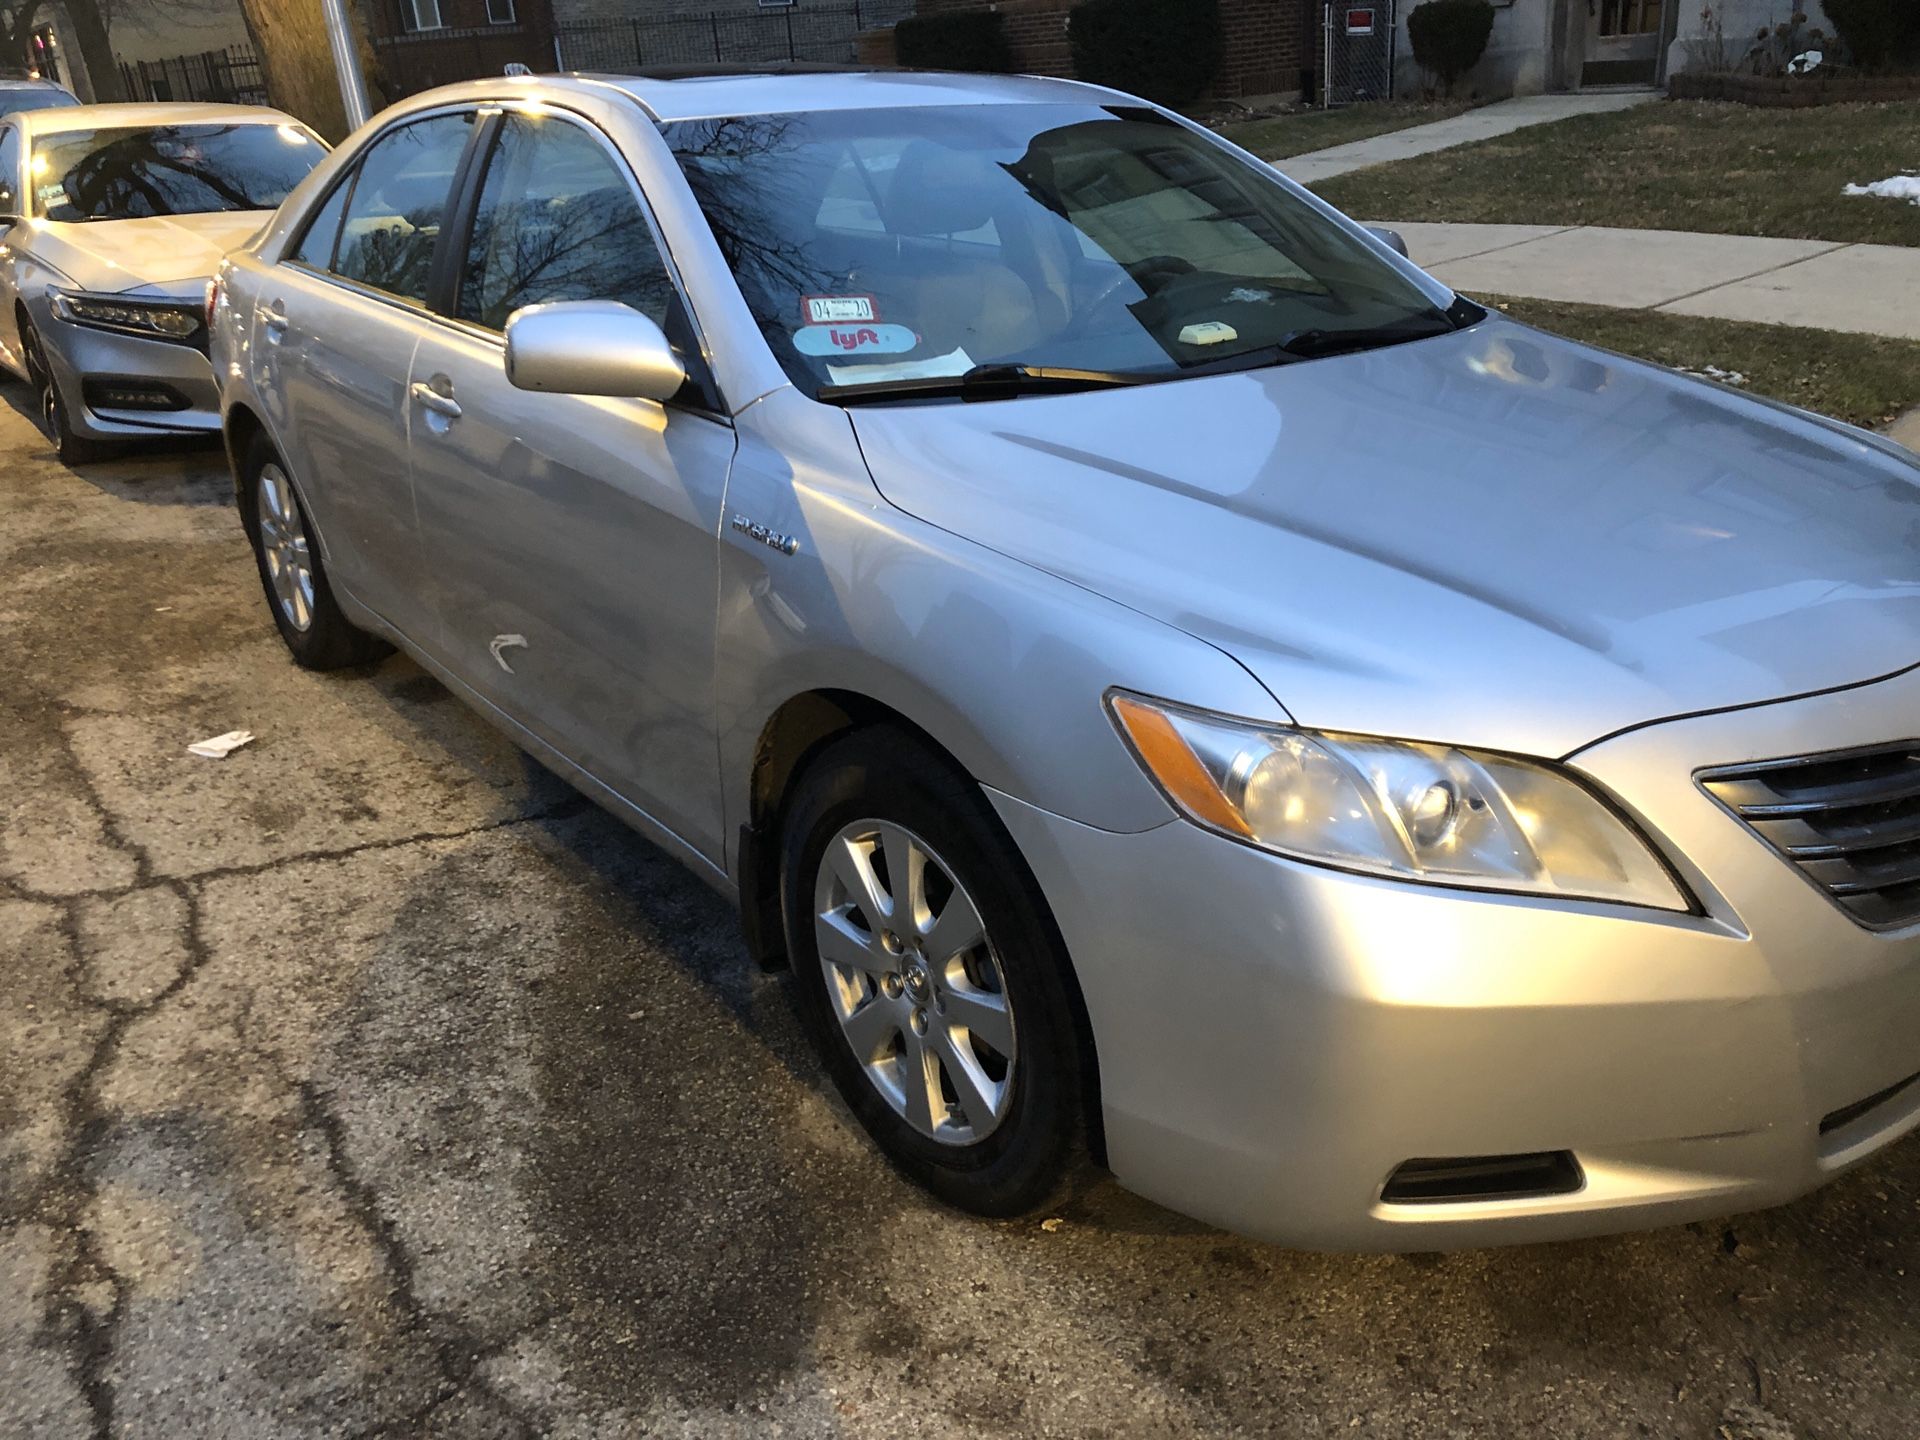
(1849,821)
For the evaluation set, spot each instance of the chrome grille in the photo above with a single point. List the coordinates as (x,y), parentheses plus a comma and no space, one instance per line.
(1849,821)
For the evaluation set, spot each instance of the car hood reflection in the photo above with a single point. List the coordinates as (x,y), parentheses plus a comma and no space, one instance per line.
(1495,537)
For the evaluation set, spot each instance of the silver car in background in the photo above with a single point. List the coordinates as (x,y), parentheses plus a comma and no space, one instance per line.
(1173,681)
(112,219)
(17,95)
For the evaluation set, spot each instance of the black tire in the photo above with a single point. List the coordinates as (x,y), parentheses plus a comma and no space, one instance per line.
(329,640)
(68,448)
(1033,1152)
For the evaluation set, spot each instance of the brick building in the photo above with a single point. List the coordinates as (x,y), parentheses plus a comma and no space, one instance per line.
(1267,44)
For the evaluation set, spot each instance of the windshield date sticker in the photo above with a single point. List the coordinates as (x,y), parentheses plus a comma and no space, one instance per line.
(854,340)
(840,309)
(1208,332)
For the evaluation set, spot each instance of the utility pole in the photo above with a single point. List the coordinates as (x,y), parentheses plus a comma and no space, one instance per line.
(346,60)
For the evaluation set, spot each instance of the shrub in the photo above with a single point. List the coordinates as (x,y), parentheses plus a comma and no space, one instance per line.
(1166,50)
(972,40)
(1881,34)
(1449,37)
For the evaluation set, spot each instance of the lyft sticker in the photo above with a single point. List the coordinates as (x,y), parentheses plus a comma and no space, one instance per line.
(854,340)
(840,309)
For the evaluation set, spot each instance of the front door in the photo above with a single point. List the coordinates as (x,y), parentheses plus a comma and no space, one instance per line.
(572,541)
(1623,41)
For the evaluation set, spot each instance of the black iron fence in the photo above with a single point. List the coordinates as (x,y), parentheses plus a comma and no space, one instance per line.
(823,33)
(230,76)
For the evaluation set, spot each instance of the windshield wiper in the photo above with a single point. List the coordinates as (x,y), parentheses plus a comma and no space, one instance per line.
(1312,344)
(987,382)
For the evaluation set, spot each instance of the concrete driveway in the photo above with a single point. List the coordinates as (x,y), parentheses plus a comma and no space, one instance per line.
(368,1082)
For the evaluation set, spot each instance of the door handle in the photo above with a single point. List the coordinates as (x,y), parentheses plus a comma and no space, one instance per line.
(273,319)
(435,399)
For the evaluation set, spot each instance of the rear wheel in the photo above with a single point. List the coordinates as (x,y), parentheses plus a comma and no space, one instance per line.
(931,977)
(291,570)
(69,448)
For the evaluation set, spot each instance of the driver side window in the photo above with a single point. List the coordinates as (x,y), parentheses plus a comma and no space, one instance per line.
(557,220)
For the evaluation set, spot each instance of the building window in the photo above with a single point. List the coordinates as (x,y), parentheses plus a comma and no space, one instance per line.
(500,12)
(424,15)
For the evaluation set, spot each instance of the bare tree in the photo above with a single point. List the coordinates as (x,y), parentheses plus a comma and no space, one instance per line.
(290,36)
(89,27)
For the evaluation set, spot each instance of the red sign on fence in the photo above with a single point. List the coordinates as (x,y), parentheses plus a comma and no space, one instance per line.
(1360,22)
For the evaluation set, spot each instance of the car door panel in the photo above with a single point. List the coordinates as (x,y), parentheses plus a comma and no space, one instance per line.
(339,362)
(572,540)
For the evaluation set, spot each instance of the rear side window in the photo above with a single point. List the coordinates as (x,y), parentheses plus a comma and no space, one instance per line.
(316,246)
(557,220)
(398,202)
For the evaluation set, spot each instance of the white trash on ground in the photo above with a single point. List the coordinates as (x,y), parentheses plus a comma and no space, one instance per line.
(221,746)
(1894,187)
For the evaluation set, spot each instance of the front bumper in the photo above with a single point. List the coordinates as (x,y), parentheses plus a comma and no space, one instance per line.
(89,364)
(1275,1039)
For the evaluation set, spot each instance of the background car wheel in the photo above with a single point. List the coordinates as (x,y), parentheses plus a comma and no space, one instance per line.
(68,448)
(931,975)
(291,571)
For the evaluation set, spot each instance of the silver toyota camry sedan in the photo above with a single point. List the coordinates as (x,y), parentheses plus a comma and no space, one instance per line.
(1174,683)
(112,219)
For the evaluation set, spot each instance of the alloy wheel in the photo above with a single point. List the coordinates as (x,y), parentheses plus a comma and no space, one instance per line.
(913,980)
(284,547)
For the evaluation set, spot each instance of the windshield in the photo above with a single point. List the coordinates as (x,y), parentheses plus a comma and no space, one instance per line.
(882,247)
(37,98)
(121,174)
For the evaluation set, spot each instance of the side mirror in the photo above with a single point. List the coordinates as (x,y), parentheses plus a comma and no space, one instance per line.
(1392,239)
(591,347)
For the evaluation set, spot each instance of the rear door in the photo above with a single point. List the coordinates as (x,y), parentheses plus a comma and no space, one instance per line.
(572,541)
(335,329)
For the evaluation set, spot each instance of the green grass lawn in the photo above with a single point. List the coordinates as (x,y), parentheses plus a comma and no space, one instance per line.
(1668,165)
(1863,379)
(1296,134)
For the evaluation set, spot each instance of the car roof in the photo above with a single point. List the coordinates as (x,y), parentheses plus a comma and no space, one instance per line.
(699,92)
(707,92)
(21,82)
(115,117)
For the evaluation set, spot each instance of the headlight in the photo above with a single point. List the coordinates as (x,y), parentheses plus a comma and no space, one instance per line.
(150,319)
(1430,813)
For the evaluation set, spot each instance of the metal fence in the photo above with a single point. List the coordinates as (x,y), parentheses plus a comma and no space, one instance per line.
(230,76)
(822,33)
(1357,53)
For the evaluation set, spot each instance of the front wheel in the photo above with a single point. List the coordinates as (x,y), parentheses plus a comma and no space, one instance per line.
(68,448)
(931,977)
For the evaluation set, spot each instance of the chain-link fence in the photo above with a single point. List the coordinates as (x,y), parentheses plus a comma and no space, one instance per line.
(1357,53)
(816,33)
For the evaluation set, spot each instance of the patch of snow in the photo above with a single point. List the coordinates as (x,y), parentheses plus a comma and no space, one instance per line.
(1714,372)
(1894,187)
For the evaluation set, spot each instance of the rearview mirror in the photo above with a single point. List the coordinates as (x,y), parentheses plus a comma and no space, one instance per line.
(1393,240)
(591,347)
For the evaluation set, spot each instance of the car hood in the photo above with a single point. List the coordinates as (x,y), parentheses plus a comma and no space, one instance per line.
(161,253)
(1495,537)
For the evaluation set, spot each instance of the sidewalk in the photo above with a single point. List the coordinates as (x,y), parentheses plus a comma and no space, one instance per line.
(1864,289)
(1501,118)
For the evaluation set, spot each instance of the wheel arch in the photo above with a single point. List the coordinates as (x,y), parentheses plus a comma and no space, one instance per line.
(798,730)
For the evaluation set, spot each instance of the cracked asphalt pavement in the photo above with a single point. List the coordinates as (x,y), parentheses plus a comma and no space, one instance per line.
(370,1082)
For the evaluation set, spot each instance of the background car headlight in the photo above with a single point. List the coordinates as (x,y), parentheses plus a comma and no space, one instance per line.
(150,319)
(1431,813)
